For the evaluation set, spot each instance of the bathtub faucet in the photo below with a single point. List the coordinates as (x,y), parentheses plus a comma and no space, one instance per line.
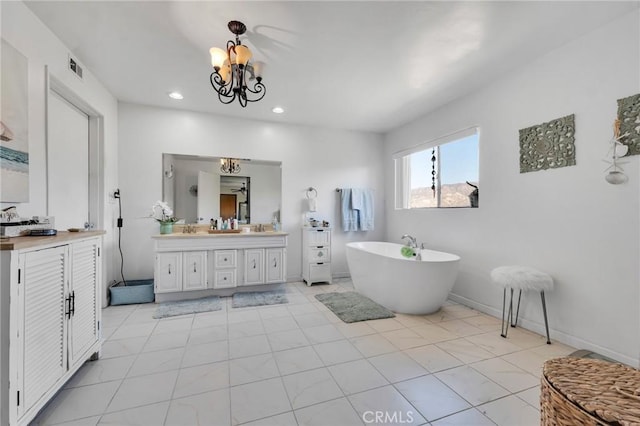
(412,241)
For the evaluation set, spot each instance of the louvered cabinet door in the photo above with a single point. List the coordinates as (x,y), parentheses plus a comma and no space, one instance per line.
(84,270)
(41,324)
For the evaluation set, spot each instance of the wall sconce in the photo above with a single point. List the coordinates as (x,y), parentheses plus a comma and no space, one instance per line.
(616,174)
(169,173)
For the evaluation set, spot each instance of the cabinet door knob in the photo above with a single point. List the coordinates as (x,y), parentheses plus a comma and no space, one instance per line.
(254,264)
(169,269)
(194,267)
(275,262)
(225,278)
(225,259)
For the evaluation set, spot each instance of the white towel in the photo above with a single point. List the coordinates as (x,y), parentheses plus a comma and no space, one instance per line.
(312,204)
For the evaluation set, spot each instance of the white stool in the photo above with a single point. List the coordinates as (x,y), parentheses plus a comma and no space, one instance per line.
(521,278)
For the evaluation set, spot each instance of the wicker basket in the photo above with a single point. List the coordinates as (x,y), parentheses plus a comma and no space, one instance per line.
(577,391)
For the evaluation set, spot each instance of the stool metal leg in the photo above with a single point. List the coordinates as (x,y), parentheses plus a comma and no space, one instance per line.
(504,298)
(504,326)
(544,310)
(514,323)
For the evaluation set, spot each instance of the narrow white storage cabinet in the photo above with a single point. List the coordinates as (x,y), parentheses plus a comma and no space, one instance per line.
(50,311)
(316,255)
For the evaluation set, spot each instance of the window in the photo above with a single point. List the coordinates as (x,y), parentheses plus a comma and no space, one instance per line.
(440,173)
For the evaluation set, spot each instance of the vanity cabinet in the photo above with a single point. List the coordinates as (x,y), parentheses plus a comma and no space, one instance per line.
(50,306)
(316,255)
(217,263)
(178,271)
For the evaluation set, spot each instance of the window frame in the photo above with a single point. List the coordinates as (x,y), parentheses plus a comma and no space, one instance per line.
(402,169)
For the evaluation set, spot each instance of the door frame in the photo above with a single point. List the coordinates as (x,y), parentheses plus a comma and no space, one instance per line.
(96,147)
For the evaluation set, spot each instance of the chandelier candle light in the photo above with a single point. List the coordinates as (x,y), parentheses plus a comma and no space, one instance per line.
(232,70)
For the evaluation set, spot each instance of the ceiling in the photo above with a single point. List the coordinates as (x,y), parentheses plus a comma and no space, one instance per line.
(369,66)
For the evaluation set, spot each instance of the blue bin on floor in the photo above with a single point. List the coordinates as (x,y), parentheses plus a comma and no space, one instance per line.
(137,291)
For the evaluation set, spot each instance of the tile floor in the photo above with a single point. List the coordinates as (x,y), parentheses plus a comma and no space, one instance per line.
(298,364)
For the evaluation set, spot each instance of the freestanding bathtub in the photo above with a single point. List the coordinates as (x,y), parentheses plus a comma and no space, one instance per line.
(406,286)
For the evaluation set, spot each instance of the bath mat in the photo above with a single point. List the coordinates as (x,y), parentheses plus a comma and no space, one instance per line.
(184,307)
(259,298)
(353,307)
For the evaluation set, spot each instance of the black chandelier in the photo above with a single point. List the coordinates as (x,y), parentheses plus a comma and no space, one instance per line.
(230,166)
(232,70)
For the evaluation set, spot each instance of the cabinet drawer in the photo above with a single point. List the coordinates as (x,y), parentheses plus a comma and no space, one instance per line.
(225,278)
(319,237)
(320,272)
(319,255)
(225,258)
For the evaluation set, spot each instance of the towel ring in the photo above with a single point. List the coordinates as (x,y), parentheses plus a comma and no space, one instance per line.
(311,191)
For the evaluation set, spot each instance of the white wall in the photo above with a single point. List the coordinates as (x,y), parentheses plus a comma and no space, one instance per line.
(322,158)
(568,222)
(24,31)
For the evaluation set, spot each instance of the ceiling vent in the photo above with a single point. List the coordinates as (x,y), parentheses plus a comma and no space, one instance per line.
(75,67)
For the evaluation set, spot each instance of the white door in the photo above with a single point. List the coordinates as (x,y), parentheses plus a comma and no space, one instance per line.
(67,163)
(208,197)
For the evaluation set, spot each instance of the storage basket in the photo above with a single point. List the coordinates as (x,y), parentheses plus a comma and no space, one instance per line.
(138,291)
(577,391)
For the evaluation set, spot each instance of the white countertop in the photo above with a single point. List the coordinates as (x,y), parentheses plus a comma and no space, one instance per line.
(223,235)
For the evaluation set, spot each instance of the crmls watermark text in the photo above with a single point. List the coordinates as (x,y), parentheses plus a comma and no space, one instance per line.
(400,417)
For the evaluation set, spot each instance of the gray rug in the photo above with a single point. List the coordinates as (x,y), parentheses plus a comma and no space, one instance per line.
(353,307)
(185,307)
(259,298)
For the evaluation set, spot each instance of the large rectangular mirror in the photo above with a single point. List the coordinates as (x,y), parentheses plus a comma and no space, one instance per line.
(198,190)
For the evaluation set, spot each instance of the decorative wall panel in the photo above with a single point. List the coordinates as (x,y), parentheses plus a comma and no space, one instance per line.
(629,116)
(548,145)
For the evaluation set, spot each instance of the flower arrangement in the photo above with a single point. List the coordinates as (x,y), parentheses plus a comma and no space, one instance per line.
(163,213)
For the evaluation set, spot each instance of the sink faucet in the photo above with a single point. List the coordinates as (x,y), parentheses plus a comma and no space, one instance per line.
(412,241)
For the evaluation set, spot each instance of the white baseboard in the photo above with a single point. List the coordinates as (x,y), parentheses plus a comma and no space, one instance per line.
(559,336)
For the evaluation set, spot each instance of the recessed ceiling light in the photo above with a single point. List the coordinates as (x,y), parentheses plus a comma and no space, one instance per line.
(176,95)
(278,110)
